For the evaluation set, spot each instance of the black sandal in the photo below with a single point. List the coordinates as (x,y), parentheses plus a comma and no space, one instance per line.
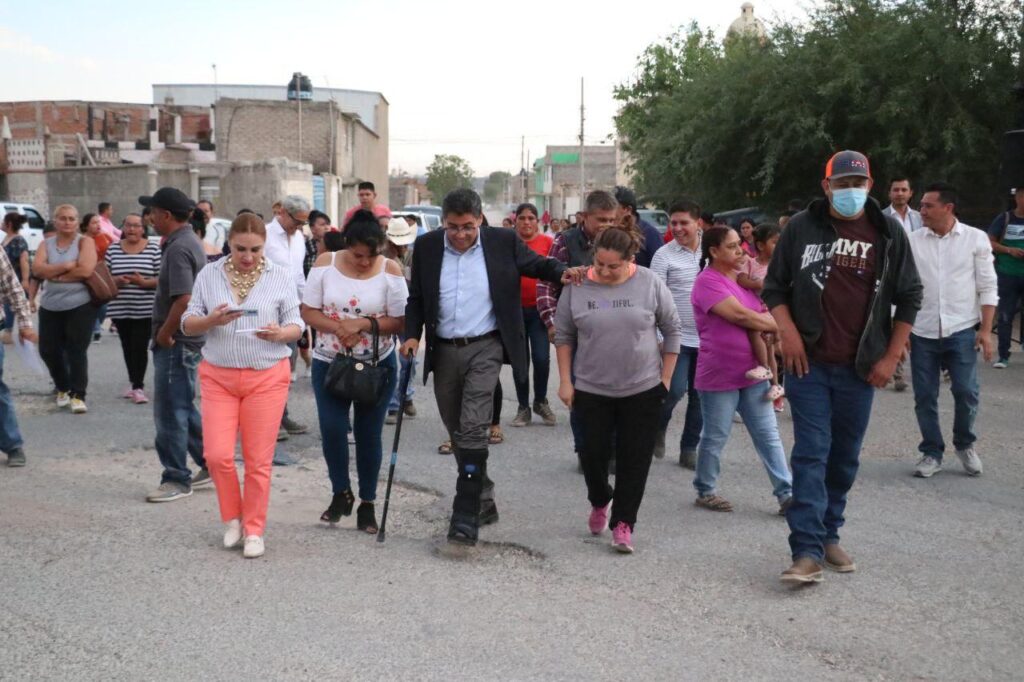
(366,519)
(341,505)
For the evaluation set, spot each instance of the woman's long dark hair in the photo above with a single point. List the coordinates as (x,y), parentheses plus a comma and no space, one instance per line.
(712,237)
(83,225)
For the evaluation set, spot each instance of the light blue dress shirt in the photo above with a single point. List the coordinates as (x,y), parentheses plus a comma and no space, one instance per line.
(466,308)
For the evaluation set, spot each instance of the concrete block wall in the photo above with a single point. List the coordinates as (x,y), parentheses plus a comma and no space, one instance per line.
(257,185)
(86,187)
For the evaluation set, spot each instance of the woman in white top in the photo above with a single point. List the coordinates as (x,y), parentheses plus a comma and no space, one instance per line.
(249,310)
(344,290)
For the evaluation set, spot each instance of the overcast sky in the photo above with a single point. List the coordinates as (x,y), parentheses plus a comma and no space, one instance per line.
(466,78)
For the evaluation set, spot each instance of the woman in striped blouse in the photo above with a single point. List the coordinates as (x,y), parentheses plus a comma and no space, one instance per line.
(134,263)
(249,309)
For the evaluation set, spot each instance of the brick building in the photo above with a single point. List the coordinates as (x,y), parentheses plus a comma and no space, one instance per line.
(85,152)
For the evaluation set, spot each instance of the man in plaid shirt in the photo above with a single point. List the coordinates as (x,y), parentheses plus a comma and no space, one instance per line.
(13,295)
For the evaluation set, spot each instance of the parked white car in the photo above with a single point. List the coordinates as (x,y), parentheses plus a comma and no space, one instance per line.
(33,230)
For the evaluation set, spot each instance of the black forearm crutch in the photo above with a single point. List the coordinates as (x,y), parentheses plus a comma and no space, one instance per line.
(403,388)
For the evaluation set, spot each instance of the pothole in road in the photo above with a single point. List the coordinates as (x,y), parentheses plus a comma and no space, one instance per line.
(487,552)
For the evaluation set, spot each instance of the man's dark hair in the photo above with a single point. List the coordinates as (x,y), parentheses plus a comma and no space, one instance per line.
(316,215)
(685,206)
(626,197)
(462,201)
(947,193)
(146,211)
(366,185)
(413,217)
(104,205)
(364,228)
(708,218)
(600,200)
(206,201)
(900,178)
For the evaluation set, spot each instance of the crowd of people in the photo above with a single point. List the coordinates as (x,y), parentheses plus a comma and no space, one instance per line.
(811,314)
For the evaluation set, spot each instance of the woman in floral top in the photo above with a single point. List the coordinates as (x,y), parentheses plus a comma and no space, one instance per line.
(344,290)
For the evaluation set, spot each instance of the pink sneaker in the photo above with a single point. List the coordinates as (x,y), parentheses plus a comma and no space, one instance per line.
(598,519)
(622,538)
(129,393)
(138,397)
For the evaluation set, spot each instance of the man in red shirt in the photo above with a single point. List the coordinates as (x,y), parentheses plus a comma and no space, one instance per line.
(367,194)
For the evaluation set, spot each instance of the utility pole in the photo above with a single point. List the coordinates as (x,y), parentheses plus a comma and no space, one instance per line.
(522,168)
(583,190)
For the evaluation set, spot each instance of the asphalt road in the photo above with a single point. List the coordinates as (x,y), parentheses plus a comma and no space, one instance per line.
(97,584)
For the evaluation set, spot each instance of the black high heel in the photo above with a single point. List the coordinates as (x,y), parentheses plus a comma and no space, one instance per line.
(366,518)
(341,505)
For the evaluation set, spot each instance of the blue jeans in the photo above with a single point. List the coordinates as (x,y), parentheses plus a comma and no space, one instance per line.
(1011,293)
(368,424)
(540,353)
(179,428)
(928,356)
(682,383)
(407,365)
(831,406)
(718,407)
(10,434)
(8,318)
(101,314)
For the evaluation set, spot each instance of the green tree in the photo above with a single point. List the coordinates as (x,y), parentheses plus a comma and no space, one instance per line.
(447,172)
(921,86)
(495,185)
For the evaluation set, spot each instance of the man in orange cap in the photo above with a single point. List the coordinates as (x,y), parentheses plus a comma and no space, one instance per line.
(838,271)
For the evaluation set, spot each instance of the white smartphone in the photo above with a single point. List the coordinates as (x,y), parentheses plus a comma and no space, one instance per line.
(246,312)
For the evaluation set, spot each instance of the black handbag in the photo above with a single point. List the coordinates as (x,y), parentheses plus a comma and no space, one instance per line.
(360,381)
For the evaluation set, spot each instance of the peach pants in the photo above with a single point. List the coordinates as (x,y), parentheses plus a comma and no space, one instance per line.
(251,401)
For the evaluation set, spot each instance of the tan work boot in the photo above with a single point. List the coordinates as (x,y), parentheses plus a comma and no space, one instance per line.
(836,559)
(803,570)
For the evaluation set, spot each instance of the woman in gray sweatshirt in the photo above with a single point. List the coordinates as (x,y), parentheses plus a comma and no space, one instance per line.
(606,334)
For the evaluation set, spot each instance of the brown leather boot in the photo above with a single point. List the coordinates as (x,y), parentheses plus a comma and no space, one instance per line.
(803,570)
(836,559)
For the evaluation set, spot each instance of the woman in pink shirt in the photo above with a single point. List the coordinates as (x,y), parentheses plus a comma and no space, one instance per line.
(724,312)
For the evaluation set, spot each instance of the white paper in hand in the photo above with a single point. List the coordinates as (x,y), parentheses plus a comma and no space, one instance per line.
(28,354)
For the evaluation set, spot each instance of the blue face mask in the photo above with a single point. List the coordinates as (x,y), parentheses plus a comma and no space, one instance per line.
(850,201)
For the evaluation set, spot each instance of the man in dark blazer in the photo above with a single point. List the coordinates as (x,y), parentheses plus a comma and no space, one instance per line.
(465,292)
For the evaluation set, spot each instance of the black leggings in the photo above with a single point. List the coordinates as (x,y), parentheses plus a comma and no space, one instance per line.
(623,428)
(64,337)
(135,335)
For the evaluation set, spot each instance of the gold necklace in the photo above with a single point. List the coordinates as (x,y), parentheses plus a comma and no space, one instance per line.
(243,282)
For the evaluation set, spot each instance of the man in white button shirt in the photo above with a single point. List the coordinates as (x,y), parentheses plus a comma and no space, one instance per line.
(286,246)
(954,262)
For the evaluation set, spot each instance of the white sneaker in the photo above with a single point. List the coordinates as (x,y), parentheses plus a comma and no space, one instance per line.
(78,406)
(1001,363)
(927,467)
(232,533)
(295,375)
(253,547)
(308,372)
(63,399)
(972,463)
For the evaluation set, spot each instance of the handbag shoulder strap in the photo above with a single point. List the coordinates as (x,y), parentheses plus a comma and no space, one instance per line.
(375,327)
